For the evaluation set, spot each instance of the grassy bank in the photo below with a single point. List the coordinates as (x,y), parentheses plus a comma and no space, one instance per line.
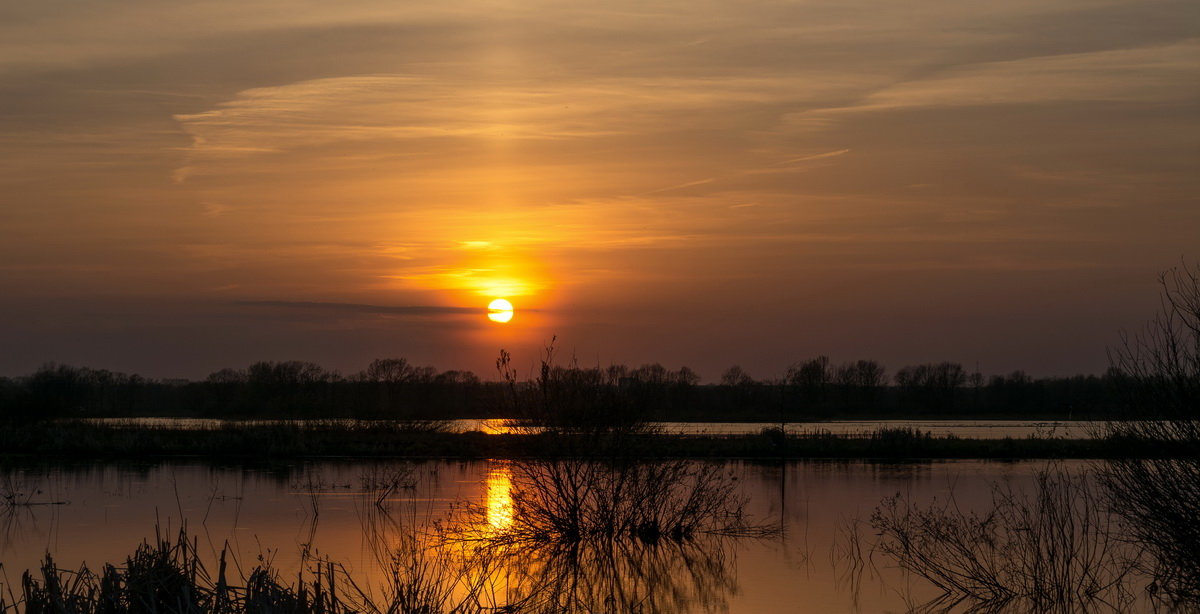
(366,439)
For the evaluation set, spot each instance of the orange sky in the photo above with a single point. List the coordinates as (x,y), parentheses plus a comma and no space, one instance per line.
(186,186)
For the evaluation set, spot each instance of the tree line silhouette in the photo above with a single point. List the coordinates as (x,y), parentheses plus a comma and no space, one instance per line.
(395,388)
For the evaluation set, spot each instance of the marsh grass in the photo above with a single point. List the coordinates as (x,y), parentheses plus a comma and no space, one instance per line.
(421,576)
(587,403)
(1054,550)
(165,575)
(168,576)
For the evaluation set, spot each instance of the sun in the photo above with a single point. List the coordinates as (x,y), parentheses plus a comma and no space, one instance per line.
(500,311)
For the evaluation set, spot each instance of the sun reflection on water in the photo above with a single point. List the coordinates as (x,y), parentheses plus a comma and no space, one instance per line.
(499,496)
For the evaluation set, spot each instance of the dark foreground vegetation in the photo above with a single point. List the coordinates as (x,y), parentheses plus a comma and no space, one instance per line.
(626,535)
(618,535)
(1058,548)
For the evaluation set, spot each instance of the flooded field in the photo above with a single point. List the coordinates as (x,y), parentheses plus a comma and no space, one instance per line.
(802,542)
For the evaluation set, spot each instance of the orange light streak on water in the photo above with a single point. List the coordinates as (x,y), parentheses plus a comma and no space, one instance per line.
(499,496)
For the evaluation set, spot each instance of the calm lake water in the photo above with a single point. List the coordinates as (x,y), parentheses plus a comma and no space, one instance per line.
(977,429)
(281,511)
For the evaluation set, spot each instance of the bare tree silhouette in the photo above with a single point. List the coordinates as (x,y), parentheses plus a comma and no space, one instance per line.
(1158,372)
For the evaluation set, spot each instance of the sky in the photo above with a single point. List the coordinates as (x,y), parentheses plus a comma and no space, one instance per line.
(187,186)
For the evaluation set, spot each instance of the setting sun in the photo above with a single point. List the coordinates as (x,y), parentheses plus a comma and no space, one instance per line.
(500,311)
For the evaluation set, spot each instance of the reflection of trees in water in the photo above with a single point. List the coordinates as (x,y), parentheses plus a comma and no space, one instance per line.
(621,535)
(572,500)
(616,576)
(616,536)
(1059,547)
(1160,499)
(1053,549)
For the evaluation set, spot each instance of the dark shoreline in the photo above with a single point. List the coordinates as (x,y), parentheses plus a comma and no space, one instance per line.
(76,440)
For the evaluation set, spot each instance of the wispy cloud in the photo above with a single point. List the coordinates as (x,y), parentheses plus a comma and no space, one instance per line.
(410,106)
(1143,74)
(820,156)
(679,186)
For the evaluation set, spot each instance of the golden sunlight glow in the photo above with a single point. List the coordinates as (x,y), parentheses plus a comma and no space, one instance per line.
(483,268)
(499,497)
(500,311)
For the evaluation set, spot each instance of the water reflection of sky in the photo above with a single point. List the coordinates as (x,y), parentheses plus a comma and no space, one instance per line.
(281,508)
(980,429)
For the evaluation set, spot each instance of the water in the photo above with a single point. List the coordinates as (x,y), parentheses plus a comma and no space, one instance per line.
(329,508)
(975,429)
